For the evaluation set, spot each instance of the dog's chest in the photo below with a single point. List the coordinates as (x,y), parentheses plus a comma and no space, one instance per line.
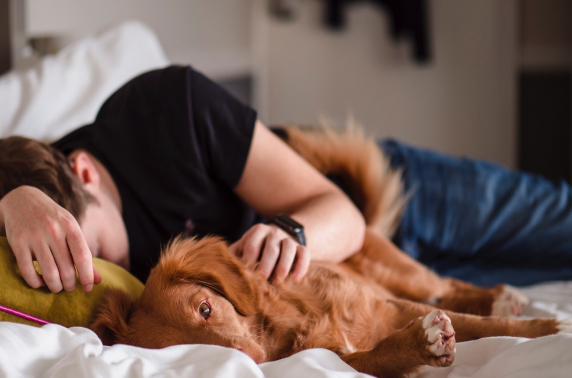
(340,312)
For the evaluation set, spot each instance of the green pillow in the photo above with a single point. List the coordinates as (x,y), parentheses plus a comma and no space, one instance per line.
(75,308)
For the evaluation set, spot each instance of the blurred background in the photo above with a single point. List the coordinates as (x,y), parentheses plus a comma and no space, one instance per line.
(487,79)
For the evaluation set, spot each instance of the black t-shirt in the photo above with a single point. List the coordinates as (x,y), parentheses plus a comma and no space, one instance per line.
(175,143)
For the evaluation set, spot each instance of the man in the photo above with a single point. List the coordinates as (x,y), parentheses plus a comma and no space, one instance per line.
(172,152)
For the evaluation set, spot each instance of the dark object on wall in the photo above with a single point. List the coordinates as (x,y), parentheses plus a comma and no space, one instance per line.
(280,9)
(5,45)
(408,19)
(545,131)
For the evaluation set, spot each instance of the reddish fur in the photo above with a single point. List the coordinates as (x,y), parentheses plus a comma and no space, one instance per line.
(367,301)
(376,189)
(268,322)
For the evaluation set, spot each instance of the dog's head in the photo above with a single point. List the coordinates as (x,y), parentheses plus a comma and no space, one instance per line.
(197,294)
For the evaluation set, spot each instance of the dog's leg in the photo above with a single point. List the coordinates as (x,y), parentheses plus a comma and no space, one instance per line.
(430,339)
(424,341)
(382,262)
(471,327)
(500,300)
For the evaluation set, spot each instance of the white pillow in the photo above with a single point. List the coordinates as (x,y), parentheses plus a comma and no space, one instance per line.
(65,91)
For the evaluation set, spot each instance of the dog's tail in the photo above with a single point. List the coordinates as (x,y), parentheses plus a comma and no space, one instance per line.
(358,166)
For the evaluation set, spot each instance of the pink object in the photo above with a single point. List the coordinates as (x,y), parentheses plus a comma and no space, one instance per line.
(23,315)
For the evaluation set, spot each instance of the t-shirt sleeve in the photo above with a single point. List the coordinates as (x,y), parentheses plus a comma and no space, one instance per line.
(223,127)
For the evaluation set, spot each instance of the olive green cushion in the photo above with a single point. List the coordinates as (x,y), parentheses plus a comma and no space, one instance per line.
(75,308)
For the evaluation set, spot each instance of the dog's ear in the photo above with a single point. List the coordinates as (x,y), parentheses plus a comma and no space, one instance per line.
(209,263)
(110,323)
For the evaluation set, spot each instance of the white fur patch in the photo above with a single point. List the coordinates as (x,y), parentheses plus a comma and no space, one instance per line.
(509,302)
(349,346)
(565,327)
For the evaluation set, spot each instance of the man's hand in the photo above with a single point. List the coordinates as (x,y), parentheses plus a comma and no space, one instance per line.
(276,251)
(39,229)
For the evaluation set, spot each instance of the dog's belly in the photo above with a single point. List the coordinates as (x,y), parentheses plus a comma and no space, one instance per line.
(340,280)
(345,313)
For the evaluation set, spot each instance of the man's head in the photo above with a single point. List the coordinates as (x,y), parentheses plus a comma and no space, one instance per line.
(25,161)
(78,183)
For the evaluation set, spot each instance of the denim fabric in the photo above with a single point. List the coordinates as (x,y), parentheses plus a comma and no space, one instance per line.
(480,222)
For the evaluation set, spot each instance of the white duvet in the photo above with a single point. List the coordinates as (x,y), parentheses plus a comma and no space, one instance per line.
(54,351)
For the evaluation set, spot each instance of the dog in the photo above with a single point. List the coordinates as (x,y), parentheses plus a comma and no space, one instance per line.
(372,310)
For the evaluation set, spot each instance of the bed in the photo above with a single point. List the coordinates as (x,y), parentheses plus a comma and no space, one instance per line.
(63,92)
(55,351)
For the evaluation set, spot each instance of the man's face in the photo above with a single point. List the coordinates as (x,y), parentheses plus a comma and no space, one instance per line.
(102,224)
(104,230)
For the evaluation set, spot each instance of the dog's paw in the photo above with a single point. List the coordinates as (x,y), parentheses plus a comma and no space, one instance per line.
(509,302)
(565,327)
(440,335)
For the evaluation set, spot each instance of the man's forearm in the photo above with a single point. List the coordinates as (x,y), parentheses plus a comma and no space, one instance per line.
(334,227)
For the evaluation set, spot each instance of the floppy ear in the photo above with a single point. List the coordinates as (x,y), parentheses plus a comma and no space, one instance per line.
(110,323)
(208,262)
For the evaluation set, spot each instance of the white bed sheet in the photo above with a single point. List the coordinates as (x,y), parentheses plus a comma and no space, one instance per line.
(54,351)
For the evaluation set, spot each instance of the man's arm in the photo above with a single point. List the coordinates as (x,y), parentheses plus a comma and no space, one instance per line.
(277,180)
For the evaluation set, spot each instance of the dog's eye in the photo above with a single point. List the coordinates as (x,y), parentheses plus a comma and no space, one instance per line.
(205,310)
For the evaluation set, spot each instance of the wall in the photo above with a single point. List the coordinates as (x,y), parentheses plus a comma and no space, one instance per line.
(214,35)
(462,103)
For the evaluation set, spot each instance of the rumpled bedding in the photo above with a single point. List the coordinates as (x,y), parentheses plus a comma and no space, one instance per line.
(54,351)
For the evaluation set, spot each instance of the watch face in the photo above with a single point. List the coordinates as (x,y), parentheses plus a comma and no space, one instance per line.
(291,226)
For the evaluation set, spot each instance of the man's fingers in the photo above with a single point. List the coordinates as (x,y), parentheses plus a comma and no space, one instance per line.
(279,255)
(82,258)
(96,276)
(26,266)
(287,255)
(302,263)
(236,247)
(65,265)
(50,272)
(270,255)
(253,243)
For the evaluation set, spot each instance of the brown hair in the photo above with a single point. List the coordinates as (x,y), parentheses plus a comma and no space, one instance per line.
(25,161)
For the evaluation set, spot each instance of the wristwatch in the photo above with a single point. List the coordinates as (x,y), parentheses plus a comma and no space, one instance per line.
(295,229)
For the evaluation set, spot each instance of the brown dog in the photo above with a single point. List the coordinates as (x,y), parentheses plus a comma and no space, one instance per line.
(366,309)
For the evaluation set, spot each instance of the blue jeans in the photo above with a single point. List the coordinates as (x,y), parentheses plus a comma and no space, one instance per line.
(480,222)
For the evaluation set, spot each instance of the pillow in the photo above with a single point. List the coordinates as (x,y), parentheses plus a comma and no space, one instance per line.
(75,308)
(65,91)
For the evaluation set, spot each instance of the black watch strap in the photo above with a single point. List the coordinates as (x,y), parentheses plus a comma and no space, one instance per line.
(295,229)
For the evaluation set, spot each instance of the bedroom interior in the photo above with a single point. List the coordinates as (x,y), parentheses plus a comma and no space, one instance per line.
(495,83)
(471,99)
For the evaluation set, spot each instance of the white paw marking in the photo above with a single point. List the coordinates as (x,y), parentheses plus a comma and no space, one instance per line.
(440,333)
(565,327)
(509,302)
(349,347)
